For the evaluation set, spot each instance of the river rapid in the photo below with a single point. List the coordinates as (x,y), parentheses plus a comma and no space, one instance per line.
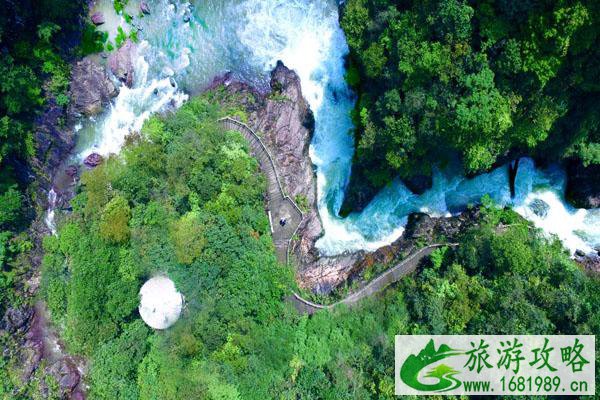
(186,44)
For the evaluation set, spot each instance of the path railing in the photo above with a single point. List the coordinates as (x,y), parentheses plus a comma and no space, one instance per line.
(388,277)
(262,153)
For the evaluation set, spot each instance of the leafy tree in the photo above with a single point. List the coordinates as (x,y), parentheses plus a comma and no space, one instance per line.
(443,79)
(114,221)
(115,364)
(188,237)
(10,206)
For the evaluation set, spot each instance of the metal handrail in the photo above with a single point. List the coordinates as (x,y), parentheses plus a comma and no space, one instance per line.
(243,127)
(355,296)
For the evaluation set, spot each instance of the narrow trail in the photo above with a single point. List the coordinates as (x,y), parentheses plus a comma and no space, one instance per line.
(280,207)
(406,266)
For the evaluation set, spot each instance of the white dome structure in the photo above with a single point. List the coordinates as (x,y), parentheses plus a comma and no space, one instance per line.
(160,302)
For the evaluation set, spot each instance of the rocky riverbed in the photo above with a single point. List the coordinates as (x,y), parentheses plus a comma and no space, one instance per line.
(34,345)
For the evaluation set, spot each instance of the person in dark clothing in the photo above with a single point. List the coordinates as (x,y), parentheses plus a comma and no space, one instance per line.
(282,222)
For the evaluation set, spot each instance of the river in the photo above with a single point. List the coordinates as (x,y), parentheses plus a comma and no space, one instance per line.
(184,45)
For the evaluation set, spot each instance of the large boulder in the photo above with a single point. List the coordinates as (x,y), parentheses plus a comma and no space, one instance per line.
(121,62)
(15,319)
(90,87)
(287,125)
(583,185)
(93,160)
(97,18)
(65,372)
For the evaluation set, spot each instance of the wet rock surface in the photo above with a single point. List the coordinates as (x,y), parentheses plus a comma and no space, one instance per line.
(91,89)
(583,185)
(325,274)
(589,262)
(16,319)
(53,140)
(93,160)
(97,18)
(71,171)
(144,8)
(121,62)
(66,374)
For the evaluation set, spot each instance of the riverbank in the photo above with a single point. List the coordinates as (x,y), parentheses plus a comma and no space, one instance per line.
(285,122)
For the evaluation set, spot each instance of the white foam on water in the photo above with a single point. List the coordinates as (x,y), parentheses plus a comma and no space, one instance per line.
(247,37)
(570,225)
(133,106)
(49,219)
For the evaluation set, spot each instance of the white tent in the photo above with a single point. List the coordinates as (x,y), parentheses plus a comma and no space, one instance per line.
(160,302)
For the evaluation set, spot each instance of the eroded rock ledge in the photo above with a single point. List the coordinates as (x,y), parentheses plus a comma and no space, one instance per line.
(286,122)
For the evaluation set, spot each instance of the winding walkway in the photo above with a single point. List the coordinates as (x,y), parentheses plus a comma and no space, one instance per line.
(406,266)
(279,205)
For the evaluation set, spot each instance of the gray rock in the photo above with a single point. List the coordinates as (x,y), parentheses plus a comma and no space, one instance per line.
(66,374)
(144,7)
(98,18)
(90,87)
(93,160)
(590,263)
(31,356)
(121,62)
(71,171)
(287,124)
(15,318)
(539,208)
(77,395)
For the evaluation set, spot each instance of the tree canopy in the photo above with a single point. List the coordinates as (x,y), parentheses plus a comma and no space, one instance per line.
(189,197)
(441,79)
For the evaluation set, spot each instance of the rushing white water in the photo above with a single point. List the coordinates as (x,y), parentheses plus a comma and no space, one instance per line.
(132,107)
(49,220)
(247,37)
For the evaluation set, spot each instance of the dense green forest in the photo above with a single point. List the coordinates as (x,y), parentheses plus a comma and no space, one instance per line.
(477,80)
(33,72)
(185,199)
(36,39)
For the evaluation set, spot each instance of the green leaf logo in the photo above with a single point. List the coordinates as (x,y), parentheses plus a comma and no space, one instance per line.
(413,365)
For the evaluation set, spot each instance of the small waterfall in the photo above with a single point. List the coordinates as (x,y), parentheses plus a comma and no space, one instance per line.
(49,220)
(132,107)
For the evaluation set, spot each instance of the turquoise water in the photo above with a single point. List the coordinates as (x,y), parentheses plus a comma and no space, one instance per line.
(246,38)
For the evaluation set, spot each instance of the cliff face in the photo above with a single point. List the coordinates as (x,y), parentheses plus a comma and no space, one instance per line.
(36,346)
(287,124)
(90,90)
(283,118)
